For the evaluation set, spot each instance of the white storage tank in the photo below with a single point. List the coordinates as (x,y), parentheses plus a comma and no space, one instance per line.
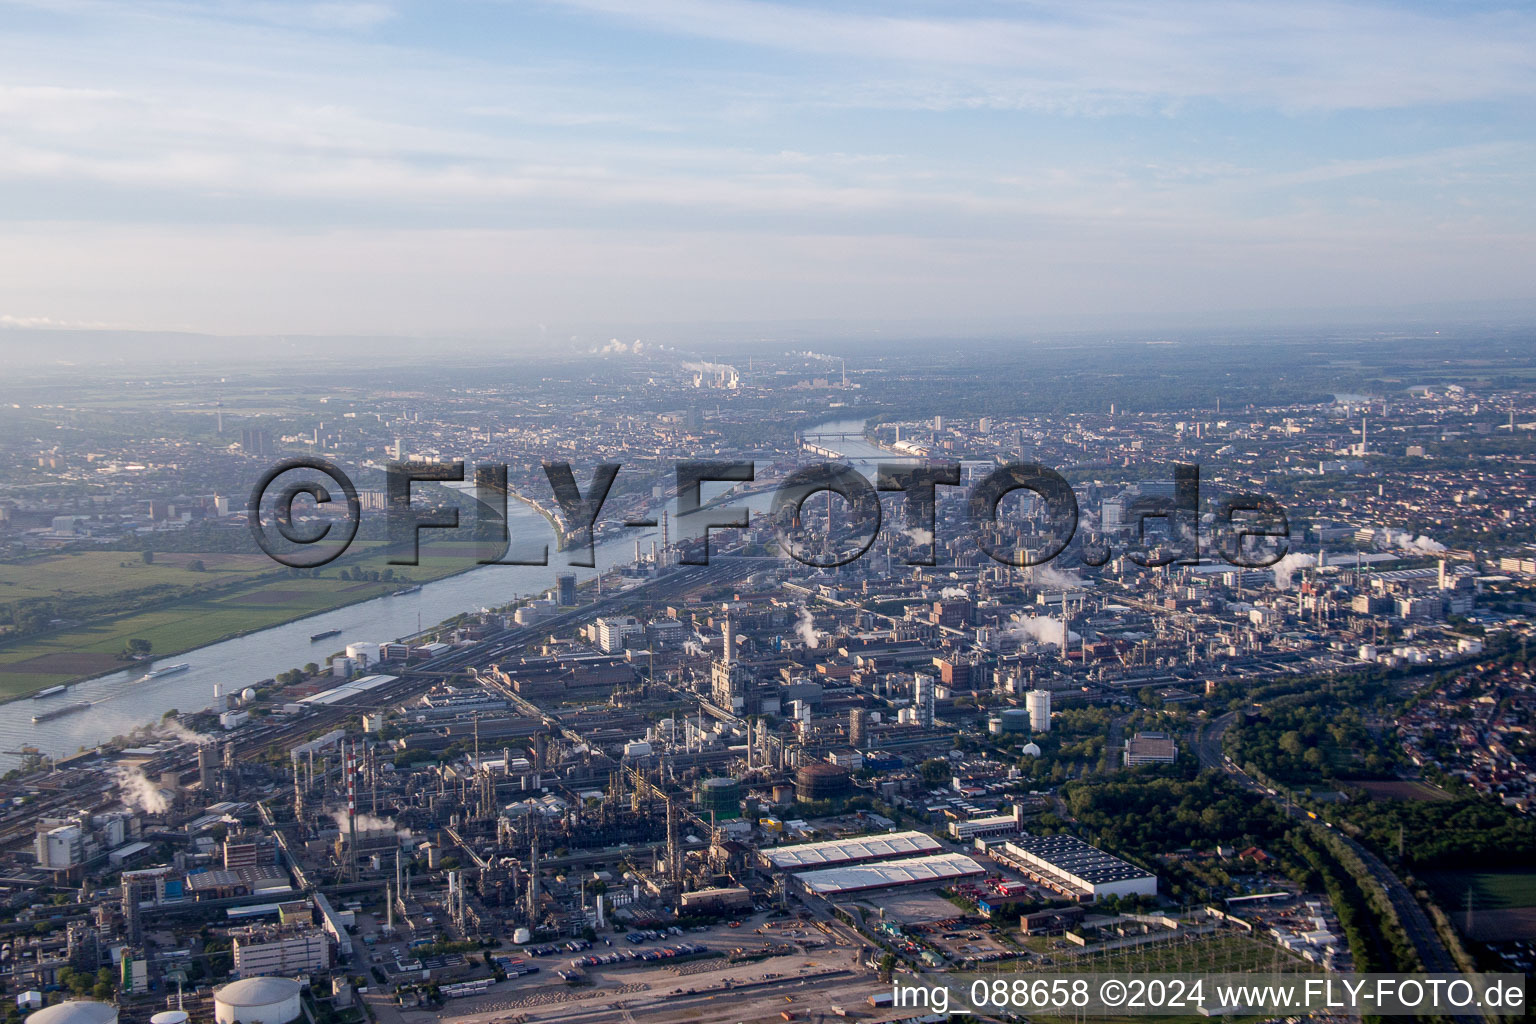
(364,653)
(170,1017)
(256,1001)
(76,1011)
(522,937)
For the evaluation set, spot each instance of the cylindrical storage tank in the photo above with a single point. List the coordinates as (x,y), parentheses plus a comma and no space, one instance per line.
(171,1017)
(364,653)
(521,936)
(257,1001)
(1039,704)
(821,780)
(783,794)
(722,796)
(75,1011)
(1014,721)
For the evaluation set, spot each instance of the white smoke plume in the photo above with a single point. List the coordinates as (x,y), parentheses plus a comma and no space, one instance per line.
(138,792)
(1042,629)
(709,367)
(954,593)
(368,823)
(176,731)
(1420,545)
(617,347)
(1050,576)
(818,356)
(1284,568)
(919,535)
(805,628)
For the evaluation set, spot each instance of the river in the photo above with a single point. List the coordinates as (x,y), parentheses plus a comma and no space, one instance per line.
(119,702)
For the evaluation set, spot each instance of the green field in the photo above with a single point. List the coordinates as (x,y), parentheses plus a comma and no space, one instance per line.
(1224,951)
(1491,890)
(87,574)
(236,594)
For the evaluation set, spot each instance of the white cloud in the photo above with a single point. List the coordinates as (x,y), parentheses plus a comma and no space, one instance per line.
(1312,54)
(405,186)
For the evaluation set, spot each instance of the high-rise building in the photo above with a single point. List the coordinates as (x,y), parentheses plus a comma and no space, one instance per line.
(205,767)
(133,927)
(858,722)
(565,587)
(1113,518)
(60,848)
(613,631)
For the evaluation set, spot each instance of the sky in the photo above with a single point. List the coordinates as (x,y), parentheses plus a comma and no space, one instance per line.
(514,167)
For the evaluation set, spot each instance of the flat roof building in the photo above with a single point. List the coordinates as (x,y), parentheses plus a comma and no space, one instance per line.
(1073,868)
(805,856)
(940,867)
(1150,748)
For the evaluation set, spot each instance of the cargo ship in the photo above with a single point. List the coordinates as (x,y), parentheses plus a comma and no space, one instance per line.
(50,692)
(323,634)
(168,670)
(406,590)
(60,712)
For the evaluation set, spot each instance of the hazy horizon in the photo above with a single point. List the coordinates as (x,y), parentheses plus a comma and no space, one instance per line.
(389,168)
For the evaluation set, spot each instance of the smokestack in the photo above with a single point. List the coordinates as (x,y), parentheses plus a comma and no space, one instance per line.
(728,655)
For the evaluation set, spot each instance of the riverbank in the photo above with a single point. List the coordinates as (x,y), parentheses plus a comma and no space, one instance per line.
(77,654)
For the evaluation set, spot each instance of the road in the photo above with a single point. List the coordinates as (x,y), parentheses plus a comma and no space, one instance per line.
(1436,958)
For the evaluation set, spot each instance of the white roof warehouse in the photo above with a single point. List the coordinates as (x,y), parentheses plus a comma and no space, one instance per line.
(1073,868)
(805,856)
(942,867)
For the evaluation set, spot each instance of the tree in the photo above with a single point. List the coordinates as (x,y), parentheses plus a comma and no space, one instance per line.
(936,772)
(147,556)
(139,647)
(196,565)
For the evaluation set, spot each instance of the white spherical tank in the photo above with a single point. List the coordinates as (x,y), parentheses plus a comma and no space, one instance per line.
(75,1011)
(257,1001)
(248,694)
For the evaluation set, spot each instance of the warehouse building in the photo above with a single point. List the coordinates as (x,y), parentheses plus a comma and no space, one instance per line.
(1071,867)
(941,867)
(806,856)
